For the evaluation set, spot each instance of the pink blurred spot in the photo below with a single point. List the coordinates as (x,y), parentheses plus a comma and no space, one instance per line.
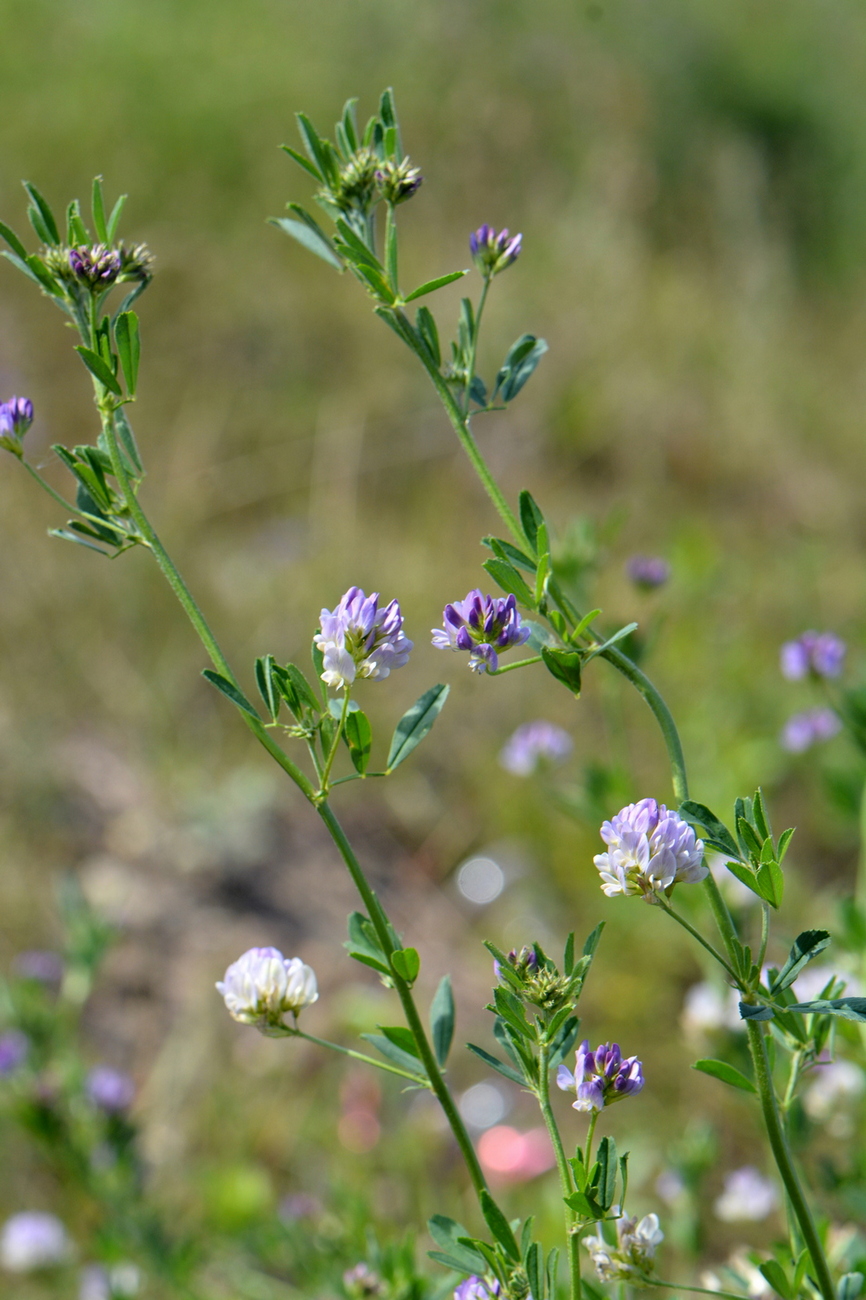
(510,1154)
(359,1130)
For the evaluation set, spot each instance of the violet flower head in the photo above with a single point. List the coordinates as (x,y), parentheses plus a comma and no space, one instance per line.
(648,571)
(358,639)
(40,965)
(650,848)
(483,625)
(820,654)
(601,1077)
(803,730)
(477,1288)
(32,1240)
(110,1090)
(97,266)
(13,1051)
(262,986)
(493,253)
(16,417)
(533,744)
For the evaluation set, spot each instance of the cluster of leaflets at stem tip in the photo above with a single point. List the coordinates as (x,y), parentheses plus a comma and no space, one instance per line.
(78,274)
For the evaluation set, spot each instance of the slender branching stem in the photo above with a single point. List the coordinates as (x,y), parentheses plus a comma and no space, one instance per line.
(359,1056)
(473,349)
(47,486)
(518,663)
(765,933)
(543,1094)
(681,920)
(341,726)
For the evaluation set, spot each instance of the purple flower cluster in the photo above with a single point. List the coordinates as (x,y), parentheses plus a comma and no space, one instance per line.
(41,965)
(650,848)
(803,730)
(482,625)
(16,417)
(648,571)
(13,1050)
(110,1090)
(534,743)
(601,1077)
(477,1288)
(358,639)
(97,266)
(820,654)
(493,253)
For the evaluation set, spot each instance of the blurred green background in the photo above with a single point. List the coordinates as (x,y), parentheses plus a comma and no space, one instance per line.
(690,181)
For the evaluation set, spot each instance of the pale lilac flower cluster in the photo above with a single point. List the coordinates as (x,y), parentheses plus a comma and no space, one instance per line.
(16,417)
(262,986)
(601,1077)
(358,639)
(648,571)
(492,253)
(32,1240)
(747,1195)
(41,965)
(483,625)
(633,1257)
(821,654)
(97,266)
(109,1090)
(803,730)
(532,744)
(13,1050)
(650,848)
(477,1288)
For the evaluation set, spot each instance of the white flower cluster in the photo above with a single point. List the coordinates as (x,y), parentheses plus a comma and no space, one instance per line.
(633,1257)
(649,849)
(262,986)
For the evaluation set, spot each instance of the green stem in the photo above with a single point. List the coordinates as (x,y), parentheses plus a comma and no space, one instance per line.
(329,761)
(358,1056)
(765,933)
(519,663)
(793,1080)
(48,488)
(590,1134)
(391,248)
(699,1290)
(473,350)
(565,1178)
(784,1161)
(681,920)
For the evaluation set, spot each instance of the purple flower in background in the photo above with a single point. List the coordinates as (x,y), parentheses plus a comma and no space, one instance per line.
(16,417)
(601,1077)
(97,266)
(747,1195)
(362,1281)
(648,571)
(32,1240)
(533,743)
(819,653)
(110,1090)
(483,625)
(13,1050)
(41,965)
(803,730)
(476,1288)
(649,848)
(358,639)
(492,253)
(298,1205)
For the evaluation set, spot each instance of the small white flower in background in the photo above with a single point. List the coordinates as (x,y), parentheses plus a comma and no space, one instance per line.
(706,1008)
(33,1240)
(747,1195)
(670,1185)
(117,1283)
(263,986)
(835,1083)
(632,1259)
(744,1275)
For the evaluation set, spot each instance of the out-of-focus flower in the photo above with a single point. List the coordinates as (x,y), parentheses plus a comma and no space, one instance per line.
(706,1008)
(649,849)
(32,1240)
(110,1090)
(819,653)
(601,1077)
(834,1084)
(744,1274)
(477,1288)
(811,983)
(670,1185)
(298,1205)
(358,639)
(482,625)
(16,417)
(509,1154)
(803,730)
(262,986)
(648,571)
(97,266)
(100,1283)
(39,964)
(535,743)
(362,1281)
(633,1257)
(398,182)
(747,1195)
(13,1050)
(492,253)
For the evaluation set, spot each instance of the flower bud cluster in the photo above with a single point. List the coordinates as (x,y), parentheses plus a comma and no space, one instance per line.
(483,625)
(97,267)
(633,1257)
(649,849)
(16,417)
(358,639)
(601,1077)
(263,986)
(398,182)
(356,184)
(493,253)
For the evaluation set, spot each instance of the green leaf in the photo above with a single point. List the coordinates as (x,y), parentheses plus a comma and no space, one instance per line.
(442,1015)
(415,724)
(66,536)
(447,1234)
(406,963)
(127,439)
(506,576)
(568,956)
(76,231)
(42,274)
(128,347)
(726,1073)
(395,1054)
(51,234)
(114,219)
(844,1008)
(748,1011)
(499,1226)
(97,207)
(13,241)
(375,281)
(363,944)
(401,1037)
(303,162)
(429,334)
(231,692)
(316,148)
(506,1070)
(749,836)
(358,735)
(759,815)
(313,241)
(564,665)
(806,946)
(265,683)
(775,1275)
(850,1286)
(535,1271)
(430,286)
(771,882)
(519,366)
(531,517)
(717,834)
(296,690)
(607,1170)
(745,875)
(784,840)
(99,369)
(552,1269)
(505,551)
